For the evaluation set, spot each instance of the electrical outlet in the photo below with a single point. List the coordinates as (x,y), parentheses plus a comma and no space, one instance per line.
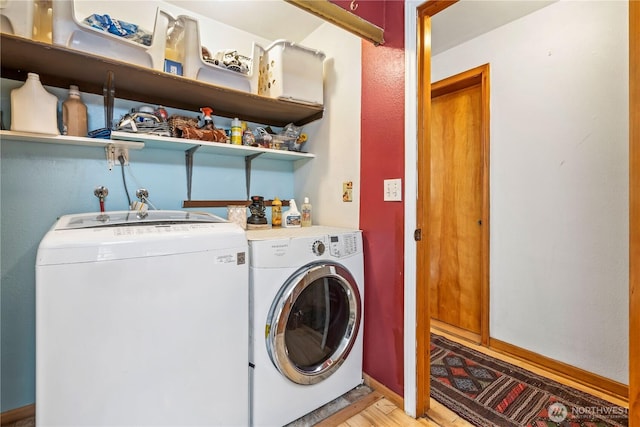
(393,190)
(124,152)
(114,152)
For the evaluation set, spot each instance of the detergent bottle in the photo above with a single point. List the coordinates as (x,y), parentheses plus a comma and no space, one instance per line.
(33,109)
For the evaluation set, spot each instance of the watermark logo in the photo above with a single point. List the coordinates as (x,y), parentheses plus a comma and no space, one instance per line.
(599,411)
(557,412)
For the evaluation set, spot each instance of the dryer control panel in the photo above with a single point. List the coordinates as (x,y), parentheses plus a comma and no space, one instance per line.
(343,245)
(293,247)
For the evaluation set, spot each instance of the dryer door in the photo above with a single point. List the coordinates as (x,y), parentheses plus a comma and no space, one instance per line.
(313,322)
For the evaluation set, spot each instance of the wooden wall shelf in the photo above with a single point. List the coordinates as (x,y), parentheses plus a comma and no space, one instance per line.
(62,67)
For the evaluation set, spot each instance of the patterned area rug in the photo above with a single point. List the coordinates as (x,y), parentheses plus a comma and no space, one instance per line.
(490,393)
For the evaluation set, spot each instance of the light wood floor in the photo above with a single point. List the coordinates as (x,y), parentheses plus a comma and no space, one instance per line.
(379,410)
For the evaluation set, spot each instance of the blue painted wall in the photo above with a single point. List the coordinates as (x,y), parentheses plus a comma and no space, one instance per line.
(39,182)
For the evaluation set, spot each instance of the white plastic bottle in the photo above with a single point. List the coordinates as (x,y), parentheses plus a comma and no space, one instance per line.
(292,217)
(306,213)
(33,109)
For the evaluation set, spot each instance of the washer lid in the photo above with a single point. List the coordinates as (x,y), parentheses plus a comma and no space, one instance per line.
(131,218)
(126,235)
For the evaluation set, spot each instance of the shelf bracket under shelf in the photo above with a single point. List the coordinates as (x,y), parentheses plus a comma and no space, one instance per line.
(189,163)
(189,154)
(247,171)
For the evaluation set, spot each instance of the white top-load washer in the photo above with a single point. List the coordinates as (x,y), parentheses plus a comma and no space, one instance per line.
(306,307)
(142,320)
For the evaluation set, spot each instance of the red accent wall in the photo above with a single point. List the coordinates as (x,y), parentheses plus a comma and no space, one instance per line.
(382,157)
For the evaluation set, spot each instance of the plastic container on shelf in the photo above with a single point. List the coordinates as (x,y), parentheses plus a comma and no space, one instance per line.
(195,67)
(305,209)
(33,109)
(292,72)
(173,47)
(43,21)
(73,34)
(236,132)
(291,219)
(276,212)
(173,52)
(16,17)
(74,114)
(281,142)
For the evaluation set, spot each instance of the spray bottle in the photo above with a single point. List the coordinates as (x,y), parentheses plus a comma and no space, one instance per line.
(292,217)
(207,119)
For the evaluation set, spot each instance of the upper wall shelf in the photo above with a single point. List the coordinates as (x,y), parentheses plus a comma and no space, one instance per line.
(62,67)
(182,144)
(68,140)
(135,141)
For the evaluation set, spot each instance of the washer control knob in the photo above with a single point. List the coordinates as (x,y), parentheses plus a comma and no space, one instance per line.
(318,247)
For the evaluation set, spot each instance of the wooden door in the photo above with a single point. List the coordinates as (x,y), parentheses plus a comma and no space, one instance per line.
(457,204)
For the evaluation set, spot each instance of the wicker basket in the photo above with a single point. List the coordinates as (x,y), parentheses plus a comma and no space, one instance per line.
(187,127)
(177,123)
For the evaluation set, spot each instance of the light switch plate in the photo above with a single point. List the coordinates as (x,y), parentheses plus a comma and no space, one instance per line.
(393,190)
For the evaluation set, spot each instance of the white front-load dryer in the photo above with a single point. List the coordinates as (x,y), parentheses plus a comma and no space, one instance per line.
(142,320)
(306,290)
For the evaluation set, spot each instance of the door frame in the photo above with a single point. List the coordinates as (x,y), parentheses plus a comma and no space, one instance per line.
(473,77)
(416,302)
(416,347)
(634,213)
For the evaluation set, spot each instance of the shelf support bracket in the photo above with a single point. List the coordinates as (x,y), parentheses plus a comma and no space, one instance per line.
(189,163)
(247,171)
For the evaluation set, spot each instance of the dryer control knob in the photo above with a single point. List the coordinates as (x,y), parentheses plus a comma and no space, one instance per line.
(318,247)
